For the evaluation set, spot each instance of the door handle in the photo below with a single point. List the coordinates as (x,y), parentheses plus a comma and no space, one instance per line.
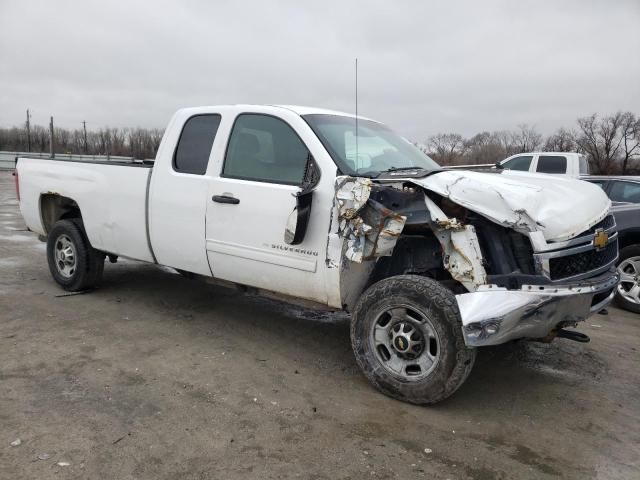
(225,199)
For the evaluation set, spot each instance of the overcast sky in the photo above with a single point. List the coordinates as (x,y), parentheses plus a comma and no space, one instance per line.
(423,68)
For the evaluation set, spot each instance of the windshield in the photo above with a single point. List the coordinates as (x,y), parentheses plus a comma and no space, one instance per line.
(376,148)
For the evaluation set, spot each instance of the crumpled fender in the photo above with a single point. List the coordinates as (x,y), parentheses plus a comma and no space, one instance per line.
(370,229)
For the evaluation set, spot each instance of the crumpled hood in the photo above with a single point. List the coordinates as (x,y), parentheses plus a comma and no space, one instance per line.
(560,207)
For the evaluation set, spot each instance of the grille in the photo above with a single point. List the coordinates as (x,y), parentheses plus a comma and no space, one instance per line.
(606,223)
(580,263)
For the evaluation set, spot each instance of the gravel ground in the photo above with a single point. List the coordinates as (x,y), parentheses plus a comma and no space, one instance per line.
(160,377)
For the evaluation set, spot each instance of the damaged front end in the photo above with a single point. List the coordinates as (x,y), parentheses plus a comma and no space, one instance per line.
(515,272)
(369,232)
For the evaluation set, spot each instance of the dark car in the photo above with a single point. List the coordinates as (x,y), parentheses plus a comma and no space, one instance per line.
(624,193)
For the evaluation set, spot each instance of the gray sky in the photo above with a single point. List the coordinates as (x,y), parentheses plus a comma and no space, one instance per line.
(423,68)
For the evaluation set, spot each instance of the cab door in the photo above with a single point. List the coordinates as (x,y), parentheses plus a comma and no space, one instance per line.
(179,189)
(250,202)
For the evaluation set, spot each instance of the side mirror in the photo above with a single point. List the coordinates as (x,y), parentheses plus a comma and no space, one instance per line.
(499,166)
(299,218)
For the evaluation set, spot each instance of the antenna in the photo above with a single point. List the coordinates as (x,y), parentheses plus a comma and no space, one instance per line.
(356,159)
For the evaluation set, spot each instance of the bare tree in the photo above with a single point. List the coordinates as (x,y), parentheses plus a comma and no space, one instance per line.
(601,140)
(630,132)
(526,139)
(485,147)
(63,140)
(562,141)
(504,138)
(446,148)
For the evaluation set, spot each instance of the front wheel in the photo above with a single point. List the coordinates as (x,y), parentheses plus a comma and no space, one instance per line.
(406,334)
(74,264)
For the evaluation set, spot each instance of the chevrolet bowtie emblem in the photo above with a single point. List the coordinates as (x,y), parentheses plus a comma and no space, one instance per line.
(600,239)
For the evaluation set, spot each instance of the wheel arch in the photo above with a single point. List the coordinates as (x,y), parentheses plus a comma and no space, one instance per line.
(414,254)
(55,207)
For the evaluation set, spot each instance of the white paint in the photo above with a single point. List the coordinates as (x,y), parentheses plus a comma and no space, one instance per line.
(245,241)
(559,207)
(177,207)
(111,199)
(292,260)
(573,162)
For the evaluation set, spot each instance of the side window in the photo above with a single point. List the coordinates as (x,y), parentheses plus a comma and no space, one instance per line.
(628,192)
(194,145)
(265,149)
(521,163)
(583,165)
(552,164)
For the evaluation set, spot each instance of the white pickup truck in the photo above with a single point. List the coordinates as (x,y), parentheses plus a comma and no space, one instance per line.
(556,163)
(339,211)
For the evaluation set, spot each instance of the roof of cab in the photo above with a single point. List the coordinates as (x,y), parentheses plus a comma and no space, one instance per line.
(298,109)
(549,153)
(304,110)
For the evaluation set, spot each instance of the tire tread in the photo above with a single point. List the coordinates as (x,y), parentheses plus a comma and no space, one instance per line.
(434,294)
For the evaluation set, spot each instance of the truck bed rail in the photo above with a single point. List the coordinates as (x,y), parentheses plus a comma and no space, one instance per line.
(8,159)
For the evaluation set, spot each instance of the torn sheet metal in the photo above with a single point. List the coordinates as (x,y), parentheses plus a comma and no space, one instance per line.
(559,207)
(351,195)
(369,228)
(462,256)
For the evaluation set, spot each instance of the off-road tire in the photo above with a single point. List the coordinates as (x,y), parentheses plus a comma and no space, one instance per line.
(89,261)
(439,304)
(625,253)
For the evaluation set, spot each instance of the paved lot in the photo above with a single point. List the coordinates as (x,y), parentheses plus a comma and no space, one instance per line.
(156,376)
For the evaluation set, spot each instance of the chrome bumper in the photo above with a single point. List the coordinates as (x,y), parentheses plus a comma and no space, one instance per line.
(493,316)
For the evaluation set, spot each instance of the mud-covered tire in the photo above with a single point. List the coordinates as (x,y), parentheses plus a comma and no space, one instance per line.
(629,256)
(88,263)
(438,306)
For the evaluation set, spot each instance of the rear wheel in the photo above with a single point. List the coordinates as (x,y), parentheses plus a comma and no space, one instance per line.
(406,334)
(73,262)
(628,291)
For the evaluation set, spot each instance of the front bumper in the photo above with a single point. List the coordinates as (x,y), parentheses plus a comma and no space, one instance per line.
(493,316)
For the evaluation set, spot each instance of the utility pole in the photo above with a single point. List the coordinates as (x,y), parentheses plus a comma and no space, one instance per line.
(28,131)
(84,129)
(51,139)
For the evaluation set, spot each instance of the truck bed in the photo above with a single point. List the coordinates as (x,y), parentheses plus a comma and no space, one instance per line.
(111,195)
